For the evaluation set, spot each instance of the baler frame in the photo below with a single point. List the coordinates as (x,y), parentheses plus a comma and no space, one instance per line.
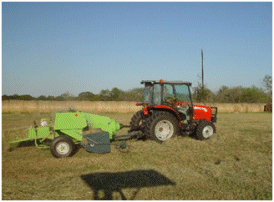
(70,127)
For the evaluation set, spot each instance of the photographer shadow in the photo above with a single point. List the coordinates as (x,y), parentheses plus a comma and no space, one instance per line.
(108,183)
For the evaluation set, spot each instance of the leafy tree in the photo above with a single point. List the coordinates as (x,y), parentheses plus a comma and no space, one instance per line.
(240,94)
(253,95)
(136,94)
(67,96)
(50,97)
(268,85)
(115,94)
(268,82)
(15,97)
(104,95)
(60,98)
(26,97)
(203,94)
(42,97)
(5,97)
(88,96)
(223,94)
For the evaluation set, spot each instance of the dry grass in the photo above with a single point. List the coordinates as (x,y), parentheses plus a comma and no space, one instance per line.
(234,164)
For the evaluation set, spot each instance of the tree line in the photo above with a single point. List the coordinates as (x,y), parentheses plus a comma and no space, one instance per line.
(223,95)
(105,95)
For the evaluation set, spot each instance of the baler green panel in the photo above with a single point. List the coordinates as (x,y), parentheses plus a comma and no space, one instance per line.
(104,123)
(74,134)
(66,121)
(41,132)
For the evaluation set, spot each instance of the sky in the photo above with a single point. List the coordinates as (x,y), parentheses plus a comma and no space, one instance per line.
(54,48)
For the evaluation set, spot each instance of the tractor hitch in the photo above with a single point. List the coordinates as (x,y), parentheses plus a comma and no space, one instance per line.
(124,126)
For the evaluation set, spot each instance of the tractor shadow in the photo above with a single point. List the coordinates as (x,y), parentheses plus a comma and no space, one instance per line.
(108,183)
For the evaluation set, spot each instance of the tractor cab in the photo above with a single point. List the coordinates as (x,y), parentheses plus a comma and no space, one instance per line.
(169,94)
(168,110)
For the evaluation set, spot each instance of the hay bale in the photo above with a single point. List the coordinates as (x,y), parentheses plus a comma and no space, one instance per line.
(14,106)
(268,107)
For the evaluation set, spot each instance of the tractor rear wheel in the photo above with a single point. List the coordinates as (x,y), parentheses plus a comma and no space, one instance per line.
(136,120)
(137,123)
(62,146)
(162,126)
(205,130)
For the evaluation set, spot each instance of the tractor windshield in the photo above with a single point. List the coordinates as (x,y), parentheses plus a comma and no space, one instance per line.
(178,92)
(182,93)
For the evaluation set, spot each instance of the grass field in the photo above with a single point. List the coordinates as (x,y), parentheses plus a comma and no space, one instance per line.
(236,163)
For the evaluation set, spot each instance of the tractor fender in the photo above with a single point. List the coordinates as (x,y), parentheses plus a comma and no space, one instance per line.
(170,110)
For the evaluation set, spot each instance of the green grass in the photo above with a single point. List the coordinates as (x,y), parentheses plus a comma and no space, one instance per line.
(235,164)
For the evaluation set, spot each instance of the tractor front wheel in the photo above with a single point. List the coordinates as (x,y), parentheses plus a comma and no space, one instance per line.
(162,126)
(205,130)
(62,146)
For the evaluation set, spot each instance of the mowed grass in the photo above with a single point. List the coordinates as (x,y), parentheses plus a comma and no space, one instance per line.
(235,164)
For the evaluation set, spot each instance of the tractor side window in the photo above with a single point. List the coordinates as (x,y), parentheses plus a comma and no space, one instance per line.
(147,94)
(168,92)
(182,93)
(157,94)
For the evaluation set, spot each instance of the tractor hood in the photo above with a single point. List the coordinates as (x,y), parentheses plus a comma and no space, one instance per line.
(201,112)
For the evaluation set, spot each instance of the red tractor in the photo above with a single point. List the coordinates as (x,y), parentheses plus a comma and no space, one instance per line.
(168,110)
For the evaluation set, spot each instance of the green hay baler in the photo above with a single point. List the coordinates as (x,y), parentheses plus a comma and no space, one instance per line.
(66,131)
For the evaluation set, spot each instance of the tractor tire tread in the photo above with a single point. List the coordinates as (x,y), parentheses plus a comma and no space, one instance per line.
(154,118)
(136,119)
(200,127)
(135,123)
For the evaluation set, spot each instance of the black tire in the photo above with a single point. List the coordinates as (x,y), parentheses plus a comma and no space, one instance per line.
(205,130)
(62,143)
(162,126)
(136,120)
(138,123)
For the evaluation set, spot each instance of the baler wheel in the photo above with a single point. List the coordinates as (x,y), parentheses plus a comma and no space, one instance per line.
(62,146)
